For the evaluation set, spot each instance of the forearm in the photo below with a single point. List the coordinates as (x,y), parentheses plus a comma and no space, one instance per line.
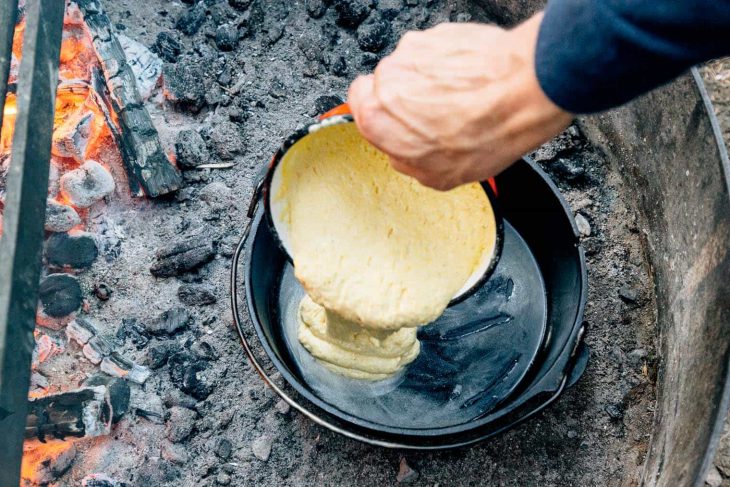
(596,54)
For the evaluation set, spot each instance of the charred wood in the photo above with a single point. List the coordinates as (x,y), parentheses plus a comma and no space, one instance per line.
(84,412)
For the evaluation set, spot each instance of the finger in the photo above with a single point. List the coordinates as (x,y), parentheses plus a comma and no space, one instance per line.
(360,90)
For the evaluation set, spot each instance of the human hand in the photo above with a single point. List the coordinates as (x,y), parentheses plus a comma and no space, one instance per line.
(457,103)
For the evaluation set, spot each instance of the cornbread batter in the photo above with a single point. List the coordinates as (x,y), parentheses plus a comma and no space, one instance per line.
(377,253)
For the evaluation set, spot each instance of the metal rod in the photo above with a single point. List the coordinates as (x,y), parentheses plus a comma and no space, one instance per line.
(8,16)
(25,208)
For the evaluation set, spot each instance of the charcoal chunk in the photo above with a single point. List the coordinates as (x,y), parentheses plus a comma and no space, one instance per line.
(134,332)
(189,22)
(191,374)
(226,140)
(76,251)
(390,9)
(239,4)
(170,322)
(167,47)
(182,256)
(60,218)
(60,295)
(373,35)
(226,37)
(339,67)
(191,149)
(184,86)
(326,103)
(350,13)
(180,424)
(223,449)
(316,8)
(158,353)
(119,393)
(196,294)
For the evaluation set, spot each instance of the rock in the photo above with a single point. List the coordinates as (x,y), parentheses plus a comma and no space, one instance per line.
(283,407)
(226,140)
(182,256)
(326,103)
(405,473)
(239,4)
(223,479)
(158,353)
(196,294)
(60,218)
(60,295)
(167,46)
(77,251)
(86,185)
(223,449)
(584,228)
(713,478)
(52,467)
(148,406)
(350,13)
(102,292)
(100,480)
(261,447)
(175,453)
(180,424)
(191,149)
(373,35)
(191,375)
(170,322)
(614,411)
(183,86)
(119,393)
(339,66)
(629,294)
(316,8)
(190,21)
(226,37)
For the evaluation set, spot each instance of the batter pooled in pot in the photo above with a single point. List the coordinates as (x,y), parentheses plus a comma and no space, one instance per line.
(377,253)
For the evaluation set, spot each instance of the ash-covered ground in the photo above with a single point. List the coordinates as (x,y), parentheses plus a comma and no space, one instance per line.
(239,77)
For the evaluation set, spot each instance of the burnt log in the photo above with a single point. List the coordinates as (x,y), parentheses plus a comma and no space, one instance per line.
(84,412)
(137,137)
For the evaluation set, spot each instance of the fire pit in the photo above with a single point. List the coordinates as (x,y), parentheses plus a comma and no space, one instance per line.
(134,334)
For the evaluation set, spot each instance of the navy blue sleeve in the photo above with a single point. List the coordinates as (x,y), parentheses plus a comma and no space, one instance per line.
(596,54)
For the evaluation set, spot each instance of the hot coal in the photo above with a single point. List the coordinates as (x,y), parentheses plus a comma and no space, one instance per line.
(60,295)
(326,103)
(167,46)
(189,22)
(86,185)
(60,218)
(191,374)
(118,393)
(169,322)
(184,86)
(180,424)
(226,37)
(374,34)
(71,138)
(77,251)
(350,13)
(197,294)
(183,256)
(50,469)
